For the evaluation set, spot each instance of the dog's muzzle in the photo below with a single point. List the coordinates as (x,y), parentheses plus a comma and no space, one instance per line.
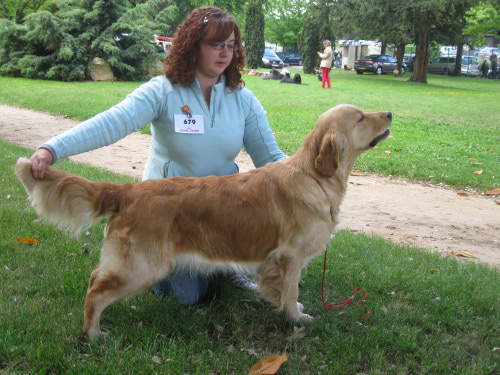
(383,135)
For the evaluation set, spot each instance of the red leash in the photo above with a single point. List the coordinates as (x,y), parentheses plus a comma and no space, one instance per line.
(338,305)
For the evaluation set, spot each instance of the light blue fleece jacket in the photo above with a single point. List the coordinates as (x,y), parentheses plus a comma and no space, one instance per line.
(235,119)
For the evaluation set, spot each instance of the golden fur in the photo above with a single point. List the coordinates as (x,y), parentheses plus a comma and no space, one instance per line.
(270,221)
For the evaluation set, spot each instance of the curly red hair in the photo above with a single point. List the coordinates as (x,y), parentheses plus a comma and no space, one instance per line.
(203,25)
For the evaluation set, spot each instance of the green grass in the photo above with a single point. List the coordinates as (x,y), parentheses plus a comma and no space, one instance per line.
(438,128)
(421,322)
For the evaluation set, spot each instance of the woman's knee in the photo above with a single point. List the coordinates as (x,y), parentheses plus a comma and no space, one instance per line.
(188,289)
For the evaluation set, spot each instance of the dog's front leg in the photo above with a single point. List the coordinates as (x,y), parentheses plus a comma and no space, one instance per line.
(280,285)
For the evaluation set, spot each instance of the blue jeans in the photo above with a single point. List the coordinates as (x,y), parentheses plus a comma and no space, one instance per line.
(188,289)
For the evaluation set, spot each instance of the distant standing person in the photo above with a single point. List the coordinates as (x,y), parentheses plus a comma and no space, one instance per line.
(494,66)
(326,63)
(484,69)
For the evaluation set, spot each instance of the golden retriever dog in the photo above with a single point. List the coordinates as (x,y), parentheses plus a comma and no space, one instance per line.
(269,221)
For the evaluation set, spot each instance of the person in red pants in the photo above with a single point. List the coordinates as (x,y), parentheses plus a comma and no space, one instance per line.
(326,63)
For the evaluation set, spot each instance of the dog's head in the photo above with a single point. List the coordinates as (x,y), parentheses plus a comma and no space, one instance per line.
(344,132)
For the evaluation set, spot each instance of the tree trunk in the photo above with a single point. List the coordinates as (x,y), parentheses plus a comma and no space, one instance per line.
(460,49)
(458,61)
(383,48)
(400,54)
(422,54)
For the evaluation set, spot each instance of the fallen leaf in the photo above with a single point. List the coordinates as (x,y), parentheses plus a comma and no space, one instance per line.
(268,365)
(478,172)
(28,240)
(492,191)
(297,334)
(156,359)
(219,328)
(463,253)
(463,194)
(357,174)
(433,270)
(252,352)
(477,163)
(388,152)
(472,159)
(490,148)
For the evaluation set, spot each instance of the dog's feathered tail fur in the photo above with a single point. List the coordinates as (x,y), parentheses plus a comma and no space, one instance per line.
(82,204)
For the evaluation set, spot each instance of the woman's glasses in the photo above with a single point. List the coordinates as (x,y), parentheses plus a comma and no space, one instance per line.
(231,47)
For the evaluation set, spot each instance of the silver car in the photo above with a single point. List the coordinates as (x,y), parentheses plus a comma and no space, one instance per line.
(377,64)
(470,66)
(446,66)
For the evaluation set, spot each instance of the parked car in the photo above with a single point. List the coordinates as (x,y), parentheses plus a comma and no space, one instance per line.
(442,65)
(446,65)
(377,64)
(271,60)
(486,52)
(409,60)
(470,66)
(448,51)
(290,58)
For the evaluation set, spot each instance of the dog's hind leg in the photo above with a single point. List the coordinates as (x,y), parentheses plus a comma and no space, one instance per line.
(121,273)
(280,285)
(98,297)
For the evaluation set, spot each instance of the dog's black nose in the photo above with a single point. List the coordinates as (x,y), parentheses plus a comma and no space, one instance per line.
(389,115)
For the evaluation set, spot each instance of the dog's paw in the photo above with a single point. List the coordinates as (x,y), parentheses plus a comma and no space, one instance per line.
(304,318)
(96,335)
(300,307)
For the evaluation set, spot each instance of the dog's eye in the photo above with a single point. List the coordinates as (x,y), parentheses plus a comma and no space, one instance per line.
(362,118)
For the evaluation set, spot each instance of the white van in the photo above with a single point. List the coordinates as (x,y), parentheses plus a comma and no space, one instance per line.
(448,51)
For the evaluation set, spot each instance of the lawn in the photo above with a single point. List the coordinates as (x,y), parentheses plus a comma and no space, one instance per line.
(429,315)
(443,132)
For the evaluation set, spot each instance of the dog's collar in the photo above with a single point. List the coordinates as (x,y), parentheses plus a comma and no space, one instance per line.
(324,191)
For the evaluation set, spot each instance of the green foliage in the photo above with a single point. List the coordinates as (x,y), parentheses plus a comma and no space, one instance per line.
(17,10)
(481,20)
(384,20)
(310,42)
(234,7)
(284,22)
(254,33)
(59,46)
(318,26)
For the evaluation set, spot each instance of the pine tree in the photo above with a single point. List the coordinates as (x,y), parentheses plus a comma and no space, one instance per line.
(317,28)
(60,46)
(254,34)
(309,42)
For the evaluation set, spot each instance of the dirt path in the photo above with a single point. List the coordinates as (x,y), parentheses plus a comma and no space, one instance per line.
(429,217)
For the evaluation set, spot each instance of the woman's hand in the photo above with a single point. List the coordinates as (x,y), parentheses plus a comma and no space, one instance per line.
(41,159)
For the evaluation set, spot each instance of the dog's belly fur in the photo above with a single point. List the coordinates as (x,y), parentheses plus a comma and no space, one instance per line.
(196,264)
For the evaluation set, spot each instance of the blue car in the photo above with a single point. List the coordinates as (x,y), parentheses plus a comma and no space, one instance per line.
(271,60)
(290,58)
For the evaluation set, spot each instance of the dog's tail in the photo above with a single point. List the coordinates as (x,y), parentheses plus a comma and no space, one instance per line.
(73,203)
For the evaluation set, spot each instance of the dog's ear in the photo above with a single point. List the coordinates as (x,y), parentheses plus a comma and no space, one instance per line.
(328,159)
